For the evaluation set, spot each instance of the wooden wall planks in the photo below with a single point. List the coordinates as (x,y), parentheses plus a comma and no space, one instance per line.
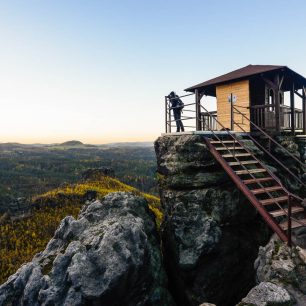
(241,90)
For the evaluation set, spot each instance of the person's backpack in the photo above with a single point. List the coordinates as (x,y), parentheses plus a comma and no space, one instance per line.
(180,104)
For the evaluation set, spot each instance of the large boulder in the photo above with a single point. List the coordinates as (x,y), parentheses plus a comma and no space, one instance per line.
(266,294)
(108,256)
(211,233)
(285,267)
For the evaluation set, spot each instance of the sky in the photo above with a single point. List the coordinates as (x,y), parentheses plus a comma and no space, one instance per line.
(97,71)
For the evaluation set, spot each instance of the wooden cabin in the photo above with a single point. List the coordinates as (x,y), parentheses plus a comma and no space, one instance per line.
(257,92)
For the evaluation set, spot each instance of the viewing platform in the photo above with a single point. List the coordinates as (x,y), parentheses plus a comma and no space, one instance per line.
(250,99)
(251,102)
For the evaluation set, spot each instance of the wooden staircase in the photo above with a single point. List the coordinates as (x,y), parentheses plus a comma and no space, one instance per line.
(282,210)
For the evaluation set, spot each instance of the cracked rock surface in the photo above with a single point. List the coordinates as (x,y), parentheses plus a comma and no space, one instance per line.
(108,256)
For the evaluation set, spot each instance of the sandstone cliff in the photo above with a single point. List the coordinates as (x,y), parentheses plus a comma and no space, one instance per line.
(108,256)
(211,233)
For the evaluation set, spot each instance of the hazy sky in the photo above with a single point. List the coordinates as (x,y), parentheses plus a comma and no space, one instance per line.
(97,71)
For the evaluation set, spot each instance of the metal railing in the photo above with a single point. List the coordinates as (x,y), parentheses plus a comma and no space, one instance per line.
(270,141)
(191,115)
(291,196)
(170,122)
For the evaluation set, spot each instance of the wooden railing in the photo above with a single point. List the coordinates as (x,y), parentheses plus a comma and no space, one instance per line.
(286,118)
(264,117)
(209,121)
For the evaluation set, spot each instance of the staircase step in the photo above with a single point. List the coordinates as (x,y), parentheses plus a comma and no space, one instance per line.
(283,212)
(260,170)
(236,155)
(294,224)
(223,141)
(229,148)
(266,189)
(243,162)
(258,180)
(274,200)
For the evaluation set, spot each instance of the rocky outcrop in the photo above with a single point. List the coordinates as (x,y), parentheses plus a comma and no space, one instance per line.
(108,256)
(211,233)
(96,173)
(266,294)
(285,267)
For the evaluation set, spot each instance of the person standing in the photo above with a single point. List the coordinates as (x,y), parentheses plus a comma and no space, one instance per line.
(177,106)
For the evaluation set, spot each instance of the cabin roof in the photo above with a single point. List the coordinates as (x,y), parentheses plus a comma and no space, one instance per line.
(242,73)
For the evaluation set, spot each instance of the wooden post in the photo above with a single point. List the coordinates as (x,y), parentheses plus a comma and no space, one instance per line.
(292,108)
(166,114)
(277,106)
(232,113)
(304,110)
(198,110)
(169,117)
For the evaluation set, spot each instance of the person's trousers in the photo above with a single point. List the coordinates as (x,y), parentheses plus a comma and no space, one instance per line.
(178,121)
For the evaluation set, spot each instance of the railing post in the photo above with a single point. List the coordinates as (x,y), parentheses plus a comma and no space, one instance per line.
(198,110)
(166,115)
(232,113)
(277,106)
(289,221)
(304,111)
(169,117)
(292,109)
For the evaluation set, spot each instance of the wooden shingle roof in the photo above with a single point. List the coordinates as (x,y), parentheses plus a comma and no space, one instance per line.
(242,73)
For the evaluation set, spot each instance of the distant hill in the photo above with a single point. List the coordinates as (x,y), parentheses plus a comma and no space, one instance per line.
(72,143)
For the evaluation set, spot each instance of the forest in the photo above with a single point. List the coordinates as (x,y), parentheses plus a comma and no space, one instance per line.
(27,170)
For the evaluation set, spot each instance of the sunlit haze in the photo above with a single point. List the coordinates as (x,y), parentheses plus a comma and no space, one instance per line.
(97,71)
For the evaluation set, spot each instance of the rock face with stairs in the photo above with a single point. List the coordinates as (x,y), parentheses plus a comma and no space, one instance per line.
(220,198)
(211,233)
(281,209)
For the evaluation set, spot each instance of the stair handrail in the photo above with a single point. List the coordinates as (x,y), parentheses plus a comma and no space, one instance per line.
(271,174)
(289,193)
(267,151)
(270,138)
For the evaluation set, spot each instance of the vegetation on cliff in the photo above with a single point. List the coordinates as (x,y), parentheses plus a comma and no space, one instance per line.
(21,239)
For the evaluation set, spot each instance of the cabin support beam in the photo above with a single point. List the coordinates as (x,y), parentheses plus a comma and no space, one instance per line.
(292,109)
(304,110)
(198,110)
(276,86)
(277,105)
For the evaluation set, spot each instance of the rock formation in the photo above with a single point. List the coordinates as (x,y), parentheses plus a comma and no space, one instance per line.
(211,233)
(97,173)
(266,294)
(283,266)
(108,256)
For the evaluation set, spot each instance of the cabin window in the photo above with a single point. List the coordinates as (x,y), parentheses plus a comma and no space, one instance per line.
(271,100)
